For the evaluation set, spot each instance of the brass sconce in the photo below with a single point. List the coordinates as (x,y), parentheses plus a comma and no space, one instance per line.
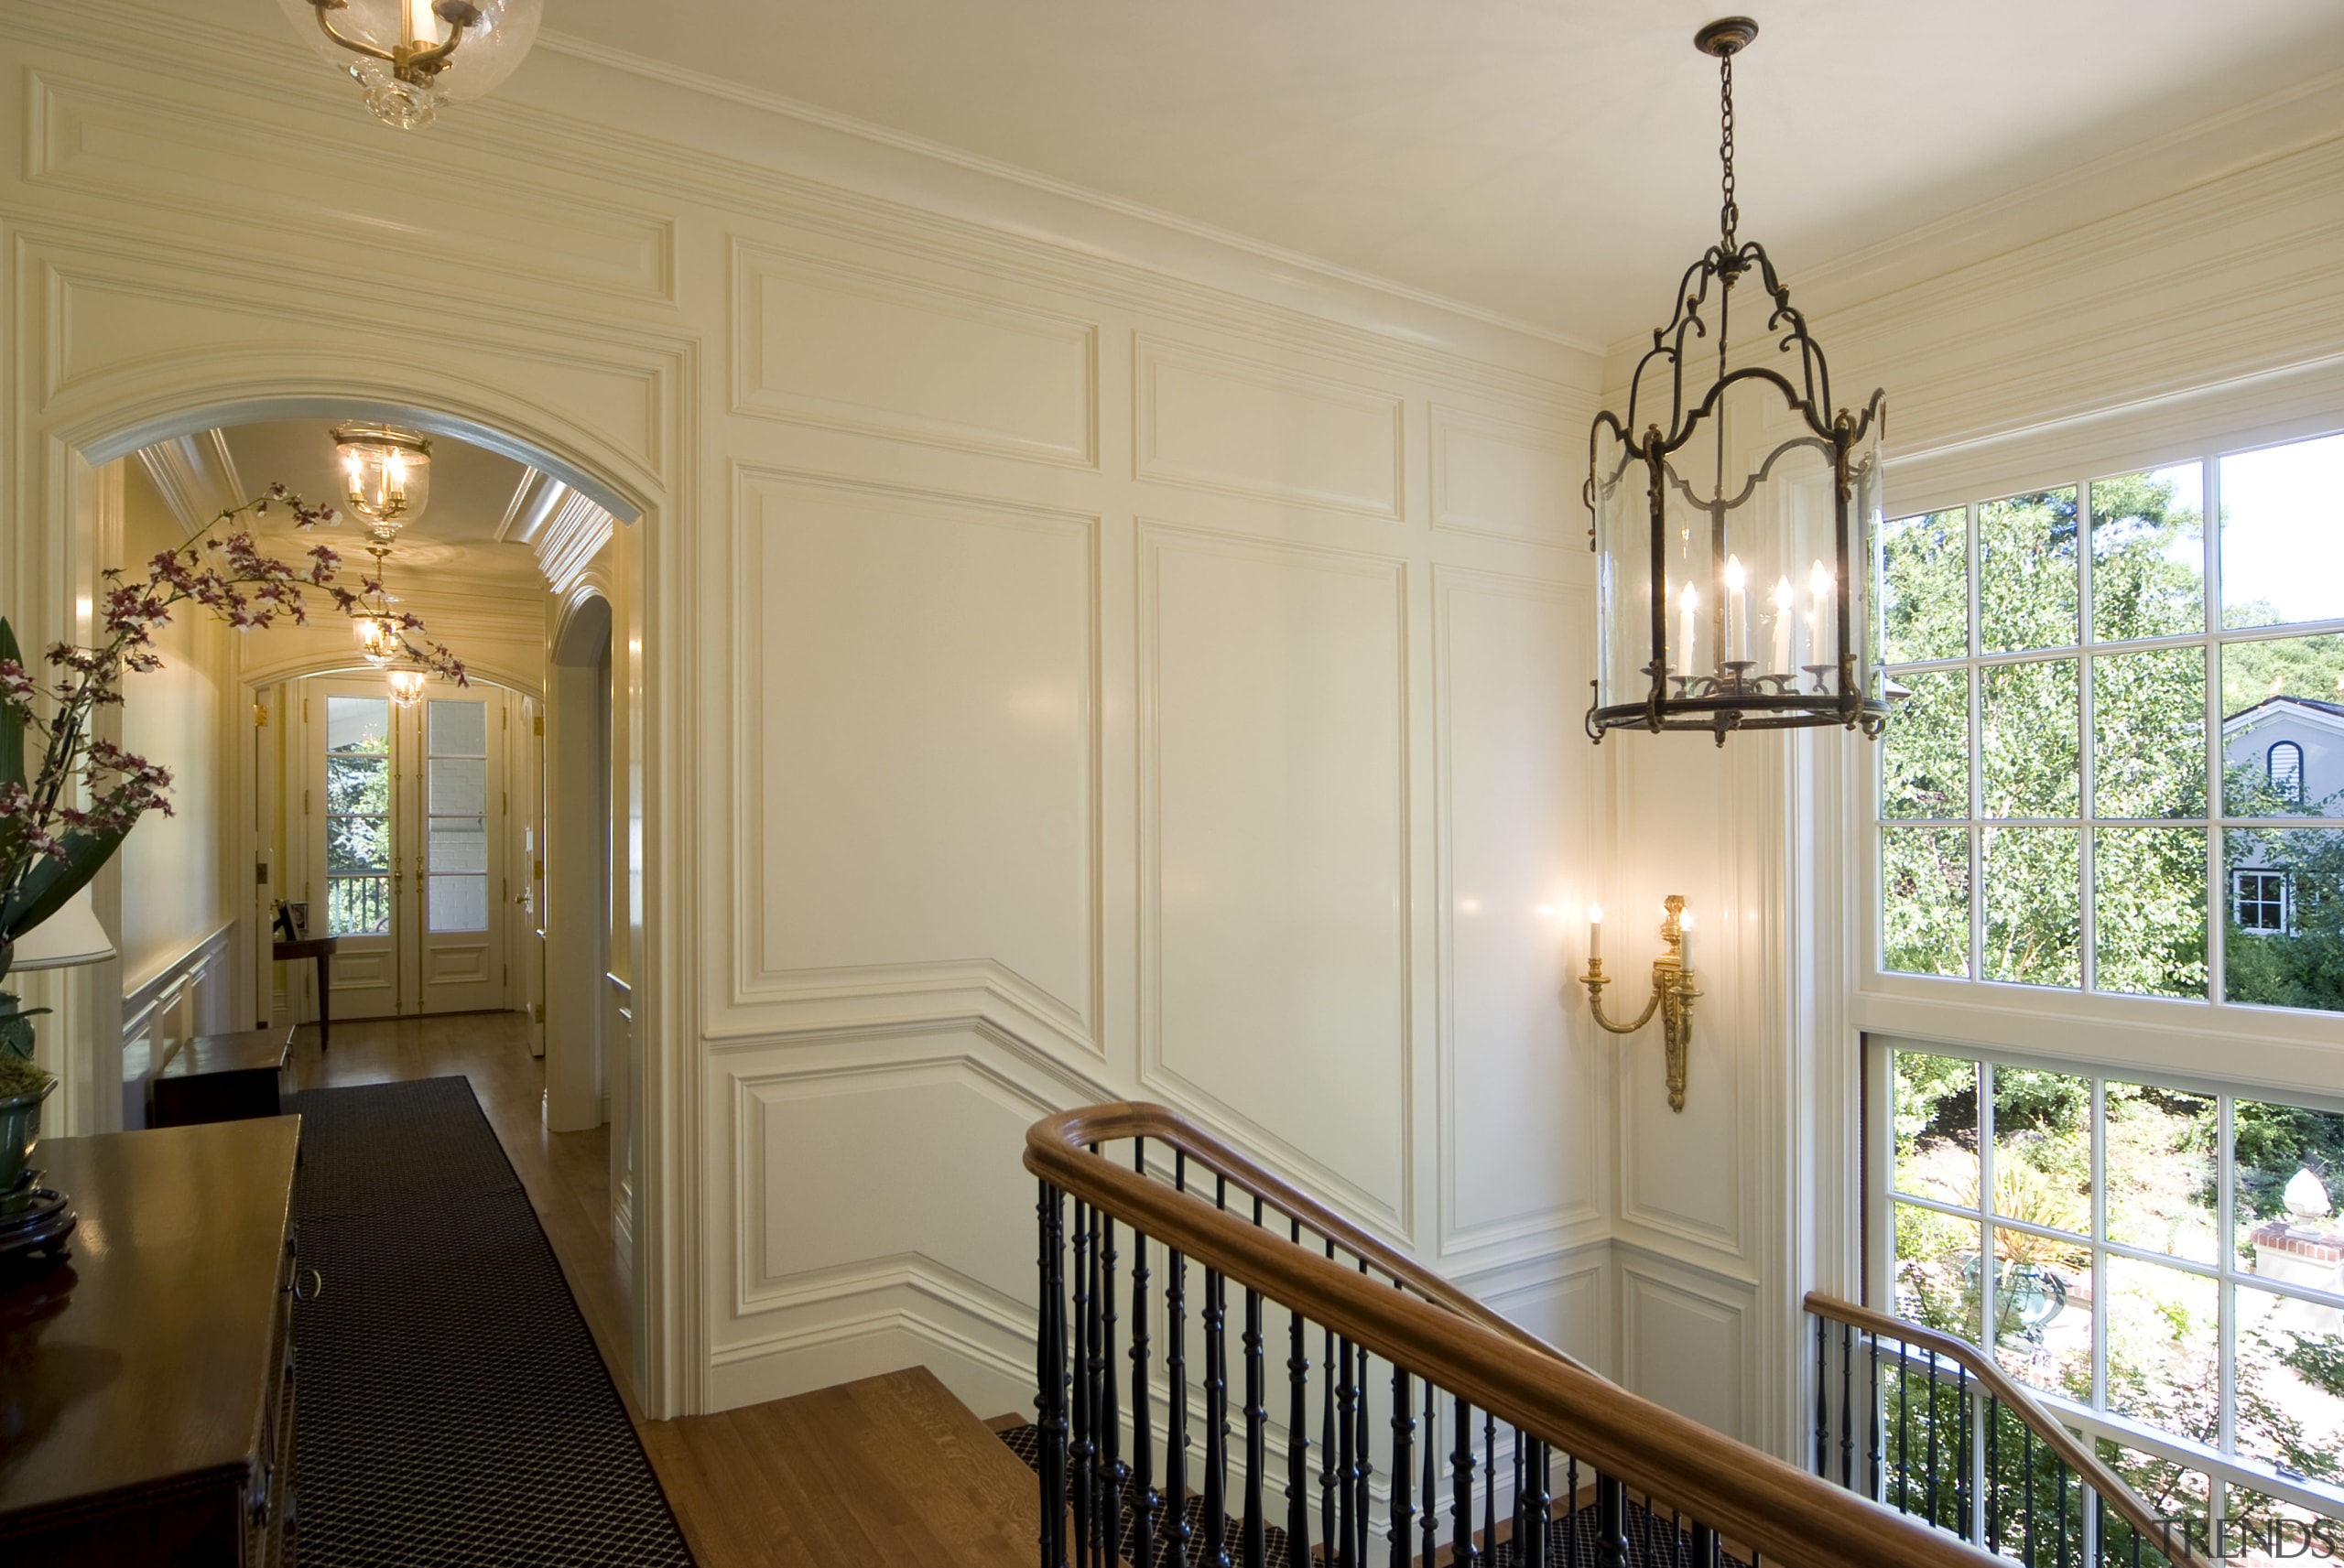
(1672,989)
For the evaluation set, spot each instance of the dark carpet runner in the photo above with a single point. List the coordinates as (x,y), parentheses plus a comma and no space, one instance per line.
(452,1408)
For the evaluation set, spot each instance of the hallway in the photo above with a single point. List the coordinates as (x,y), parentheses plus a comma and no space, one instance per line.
(887,1469)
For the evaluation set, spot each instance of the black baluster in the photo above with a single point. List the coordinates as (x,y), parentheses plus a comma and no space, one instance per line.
(1111,1472)
(1489,1482)
(2100,1530)
(1403,1431)
(1461,1501)
(1533,1513)
(1823,1406)
(2026,1458)
(1049,1374)
(1704,1547)
(1145,1500)
(1993,1475)
(2059,1474)
(1078,1469)
(1963,1500)
(1257,1417)
(1904,1430)
(1610,1533)
(1179,1531)
(1875,1481)
(1847,1407)
(1431,1515)
(1933,1436)
(1328,1376)
(1570,1512)
(1346,1515)
(1298,1434)
(1216,1405)
(1361,1468)
(1521,1497)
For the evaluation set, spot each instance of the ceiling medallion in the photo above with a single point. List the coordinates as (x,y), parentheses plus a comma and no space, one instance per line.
(412,57)
(1734,513)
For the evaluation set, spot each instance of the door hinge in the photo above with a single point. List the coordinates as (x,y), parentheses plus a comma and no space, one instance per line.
(503,802)
(505,718)
(541,872)
(536,1012)
(260,874)
(540,724)
(508,974)
(305,802)
(260,716)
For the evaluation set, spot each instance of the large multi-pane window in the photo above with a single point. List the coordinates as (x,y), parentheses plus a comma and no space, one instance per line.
(2161,1261)
(2124,745)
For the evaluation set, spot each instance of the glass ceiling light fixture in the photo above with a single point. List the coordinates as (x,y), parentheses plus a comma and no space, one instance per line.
(1734,513)
(386,475)
(376,623)
(407,686)
(413,55)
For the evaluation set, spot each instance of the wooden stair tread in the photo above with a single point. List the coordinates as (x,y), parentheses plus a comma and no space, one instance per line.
(889,1469)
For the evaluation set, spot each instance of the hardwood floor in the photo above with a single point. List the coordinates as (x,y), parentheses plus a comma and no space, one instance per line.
(888,1470)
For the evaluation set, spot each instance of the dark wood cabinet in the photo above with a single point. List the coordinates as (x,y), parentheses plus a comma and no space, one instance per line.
(147,1384)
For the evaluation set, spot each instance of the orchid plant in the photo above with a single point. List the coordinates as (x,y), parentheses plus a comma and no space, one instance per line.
(63,820)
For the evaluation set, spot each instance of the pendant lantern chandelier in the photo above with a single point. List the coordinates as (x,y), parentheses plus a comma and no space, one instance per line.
(1734,512)
(411,57)
(381,631)
(386,475)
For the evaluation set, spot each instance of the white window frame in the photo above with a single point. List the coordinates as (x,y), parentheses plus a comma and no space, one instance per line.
(2286,898)
(2224,1468)
(2271,1050)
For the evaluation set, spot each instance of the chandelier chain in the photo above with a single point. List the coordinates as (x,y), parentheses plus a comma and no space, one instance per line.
(1728,214)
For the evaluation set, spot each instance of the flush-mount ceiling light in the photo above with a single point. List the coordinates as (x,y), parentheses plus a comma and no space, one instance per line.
(386,475)
(413,55)
(1736,513)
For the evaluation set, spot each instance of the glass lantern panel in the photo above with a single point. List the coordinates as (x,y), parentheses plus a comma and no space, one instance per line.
(1622,572)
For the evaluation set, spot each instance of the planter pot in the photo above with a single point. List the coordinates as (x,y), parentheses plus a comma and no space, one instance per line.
(19,1130)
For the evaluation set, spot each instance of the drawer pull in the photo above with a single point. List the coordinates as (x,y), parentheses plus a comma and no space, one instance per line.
(316,1281)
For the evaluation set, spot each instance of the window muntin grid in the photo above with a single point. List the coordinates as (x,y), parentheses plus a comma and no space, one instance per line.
(2140,1234)
(2052,808)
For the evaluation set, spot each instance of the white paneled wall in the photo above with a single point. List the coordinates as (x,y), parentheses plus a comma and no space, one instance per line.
(1066,659)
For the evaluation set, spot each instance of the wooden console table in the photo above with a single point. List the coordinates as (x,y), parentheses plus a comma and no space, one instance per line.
(150,1376)
(320,949)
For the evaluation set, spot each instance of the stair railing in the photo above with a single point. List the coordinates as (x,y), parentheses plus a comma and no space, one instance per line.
(1432,1433)
(1929,1425)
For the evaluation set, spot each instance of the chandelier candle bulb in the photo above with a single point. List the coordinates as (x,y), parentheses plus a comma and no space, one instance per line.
(1784,599)
(1737,611)
(1685,945)
(1595,931)
(1687,603)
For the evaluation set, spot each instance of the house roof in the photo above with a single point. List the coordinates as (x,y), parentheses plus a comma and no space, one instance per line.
(2327,715)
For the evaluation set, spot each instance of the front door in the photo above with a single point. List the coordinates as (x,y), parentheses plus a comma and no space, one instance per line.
(406,847)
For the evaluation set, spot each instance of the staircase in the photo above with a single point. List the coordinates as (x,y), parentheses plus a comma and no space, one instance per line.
(1230,1375)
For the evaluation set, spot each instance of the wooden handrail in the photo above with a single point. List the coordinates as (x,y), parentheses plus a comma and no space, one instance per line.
(2077,1455)
(1746,1495)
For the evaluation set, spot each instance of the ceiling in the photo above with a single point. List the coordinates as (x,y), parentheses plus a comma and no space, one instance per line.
(452,544)
(1551,161)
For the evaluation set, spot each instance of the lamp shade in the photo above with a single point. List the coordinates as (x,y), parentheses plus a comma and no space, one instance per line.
(73,935)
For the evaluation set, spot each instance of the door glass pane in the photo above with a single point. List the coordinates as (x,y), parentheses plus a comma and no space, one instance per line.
(2161,1189)
(458,844)
(459,729)
(358,816)
(458,786)
(2148,554)
(2283,533)
(459,903)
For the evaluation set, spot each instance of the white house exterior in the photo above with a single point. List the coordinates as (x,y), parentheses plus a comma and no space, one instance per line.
(2296,745)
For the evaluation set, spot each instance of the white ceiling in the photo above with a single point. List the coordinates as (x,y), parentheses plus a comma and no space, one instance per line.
(453,546)
(1548,160)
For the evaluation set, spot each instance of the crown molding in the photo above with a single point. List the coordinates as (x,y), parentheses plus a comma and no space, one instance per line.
(196,476)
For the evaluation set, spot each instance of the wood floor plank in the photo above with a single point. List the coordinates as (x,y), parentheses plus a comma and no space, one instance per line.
(889,1470)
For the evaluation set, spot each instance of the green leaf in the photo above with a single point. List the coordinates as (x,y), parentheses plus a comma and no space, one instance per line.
(51,883)
(12,727)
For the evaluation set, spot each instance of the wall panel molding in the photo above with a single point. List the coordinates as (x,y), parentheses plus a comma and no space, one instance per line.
(874,352)
(1688,1341)
(1306,648)
(1505,479)
(1020,586)
(1219,421)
